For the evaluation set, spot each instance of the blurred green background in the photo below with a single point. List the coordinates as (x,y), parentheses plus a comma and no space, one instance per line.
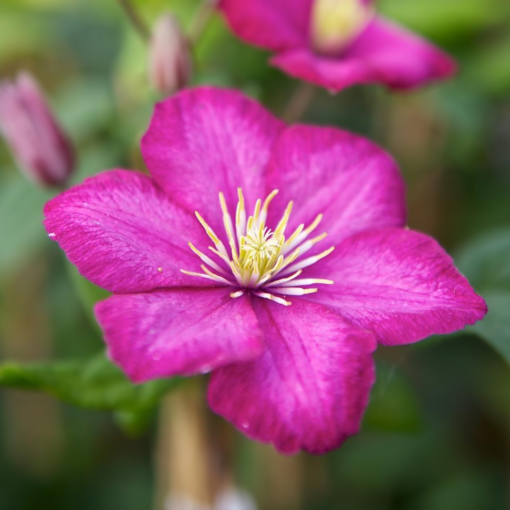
(437,432)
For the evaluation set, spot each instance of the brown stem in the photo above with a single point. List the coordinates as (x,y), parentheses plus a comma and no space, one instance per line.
(135,19)
(183,450)
(201,19)
(281,478)
(299,102)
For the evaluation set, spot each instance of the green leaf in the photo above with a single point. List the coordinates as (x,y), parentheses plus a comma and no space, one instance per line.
(88,293)
(21,205)
(133,423)
(21,34)
(486,263)
(394,406)
(85,108)
(443,19)
(488,67)
(95,383)
(495,328)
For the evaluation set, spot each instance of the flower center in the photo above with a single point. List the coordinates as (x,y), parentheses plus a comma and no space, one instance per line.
(261,260)
(335,23)
(257,249)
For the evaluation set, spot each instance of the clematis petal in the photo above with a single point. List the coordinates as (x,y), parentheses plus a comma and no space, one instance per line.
(309,388)
(272,25)
(208,140)
(124,234)
(383,53)
(399,284)
(354,183)
(398,57)
(178,332)
(334,74)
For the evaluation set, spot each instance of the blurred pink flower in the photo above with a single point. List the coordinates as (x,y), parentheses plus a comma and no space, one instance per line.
(170,62)
(39,145)
(337,43)
(297,376)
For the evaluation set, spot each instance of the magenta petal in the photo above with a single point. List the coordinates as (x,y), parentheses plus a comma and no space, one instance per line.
(178,332)
(354,183)
(124,234)
(398,57)
(399,284)
(333,74)
(208,140)
(384,53)
(309,389)
(275,25)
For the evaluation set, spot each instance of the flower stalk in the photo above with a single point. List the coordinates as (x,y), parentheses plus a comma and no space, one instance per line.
(135,19)
(182,451)
(299,102)
(201,19)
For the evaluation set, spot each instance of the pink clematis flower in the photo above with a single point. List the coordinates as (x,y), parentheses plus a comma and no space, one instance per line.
(220,261)
(337,43)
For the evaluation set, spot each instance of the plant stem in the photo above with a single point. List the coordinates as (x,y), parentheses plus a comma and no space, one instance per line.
(201,19)
(182,460)
(299,102)
(135,19)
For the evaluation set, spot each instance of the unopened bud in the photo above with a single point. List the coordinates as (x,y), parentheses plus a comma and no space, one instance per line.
(170,63)
(37,142)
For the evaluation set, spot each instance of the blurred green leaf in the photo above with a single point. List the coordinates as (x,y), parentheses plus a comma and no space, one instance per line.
(21,34)
(489,67)
(495,327)
(85,108)
(21,205)
(486,263)
(467,490)
(466,112)
(133,423)
(88,293)
(95,383)
(444,19)
(394,406)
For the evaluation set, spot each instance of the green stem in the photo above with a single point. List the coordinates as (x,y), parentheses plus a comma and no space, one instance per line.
(201,19)
(299,102)
(135,19)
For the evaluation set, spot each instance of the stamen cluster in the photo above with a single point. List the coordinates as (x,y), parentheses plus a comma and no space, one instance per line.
(335,23)
(260,260)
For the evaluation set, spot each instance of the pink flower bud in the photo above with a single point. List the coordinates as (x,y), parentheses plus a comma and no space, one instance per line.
(170,63)
(37,142)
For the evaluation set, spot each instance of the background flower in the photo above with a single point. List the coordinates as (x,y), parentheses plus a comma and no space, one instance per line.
(337,43)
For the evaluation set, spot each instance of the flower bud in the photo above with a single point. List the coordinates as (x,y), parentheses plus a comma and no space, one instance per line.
(170,63)
(37,142)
